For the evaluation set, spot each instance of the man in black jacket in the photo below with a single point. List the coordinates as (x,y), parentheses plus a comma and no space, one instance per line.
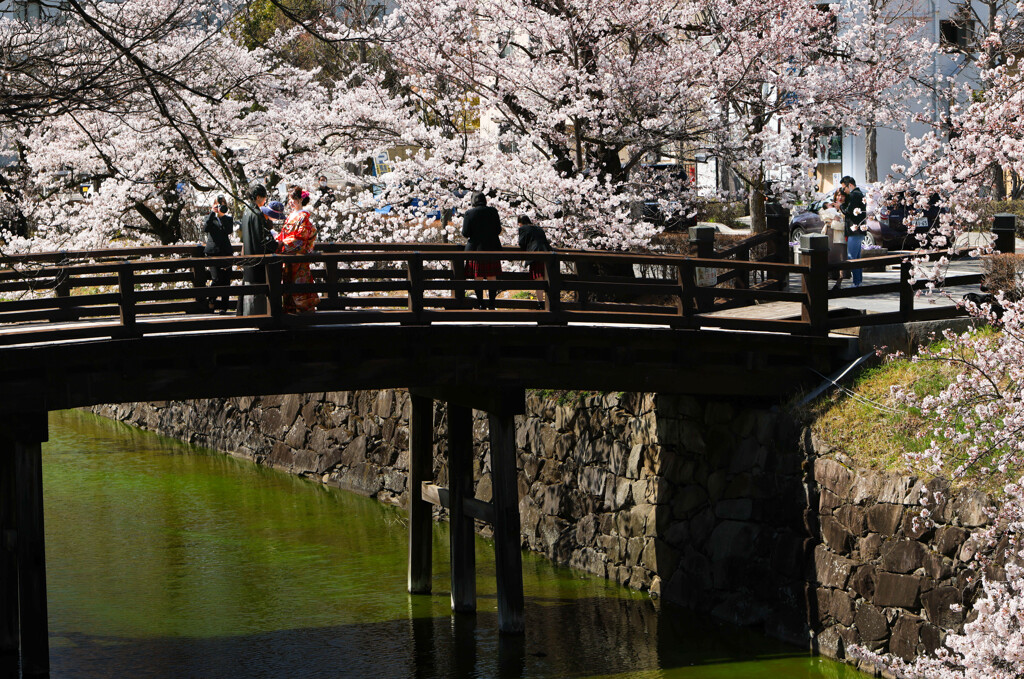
(855,211)
(256,240)
(218,227)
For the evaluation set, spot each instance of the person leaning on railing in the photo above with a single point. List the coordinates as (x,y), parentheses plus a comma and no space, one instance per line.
(297,237)
(533,239)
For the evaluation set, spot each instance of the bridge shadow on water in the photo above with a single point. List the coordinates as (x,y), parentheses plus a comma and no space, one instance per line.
(564,638)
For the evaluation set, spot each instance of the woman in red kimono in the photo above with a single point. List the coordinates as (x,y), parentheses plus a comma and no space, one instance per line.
(297,238)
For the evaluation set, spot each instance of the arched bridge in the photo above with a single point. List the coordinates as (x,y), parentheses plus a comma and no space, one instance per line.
(84,328)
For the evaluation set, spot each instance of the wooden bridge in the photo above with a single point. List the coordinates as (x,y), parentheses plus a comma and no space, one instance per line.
(84,328)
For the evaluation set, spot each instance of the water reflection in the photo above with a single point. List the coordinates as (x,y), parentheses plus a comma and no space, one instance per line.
(167,562)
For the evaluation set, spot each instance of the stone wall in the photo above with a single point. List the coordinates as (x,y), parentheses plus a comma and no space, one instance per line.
(701,503)
(886,570)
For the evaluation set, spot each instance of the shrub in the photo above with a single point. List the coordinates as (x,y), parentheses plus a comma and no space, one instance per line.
(1004,273)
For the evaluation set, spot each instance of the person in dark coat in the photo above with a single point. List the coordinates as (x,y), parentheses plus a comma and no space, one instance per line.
(533,239)
(856,212)
(257,239)
(218,227)
(481,225)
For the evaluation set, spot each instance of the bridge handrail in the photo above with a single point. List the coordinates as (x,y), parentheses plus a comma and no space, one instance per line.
(401,285)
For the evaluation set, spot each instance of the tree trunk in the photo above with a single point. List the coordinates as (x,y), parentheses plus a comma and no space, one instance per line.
(755,201)
(998,182)
(871,155)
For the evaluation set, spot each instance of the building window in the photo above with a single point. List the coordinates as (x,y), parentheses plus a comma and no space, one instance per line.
(29,10)
(829,143)
(956,33)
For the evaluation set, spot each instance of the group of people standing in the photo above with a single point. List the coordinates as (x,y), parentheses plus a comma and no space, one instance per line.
(481,227)
(845,225)
(265,230)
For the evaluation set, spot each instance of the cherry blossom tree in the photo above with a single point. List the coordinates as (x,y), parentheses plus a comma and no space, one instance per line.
(554,108)
(581,93)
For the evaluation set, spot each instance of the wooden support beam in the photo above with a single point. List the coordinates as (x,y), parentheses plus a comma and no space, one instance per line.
(494,399)
(421,470)
(471,507)
(8,558)
(30,550)
(460,477)
(508,556)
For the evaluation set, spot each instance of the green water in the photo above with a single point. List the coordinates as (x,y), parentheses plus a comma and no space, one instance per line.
(166,560)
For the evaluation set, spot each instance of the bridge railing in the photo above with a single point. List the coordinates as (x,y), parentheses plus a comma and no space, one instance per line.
(51,299)
(56,299)
(907,287)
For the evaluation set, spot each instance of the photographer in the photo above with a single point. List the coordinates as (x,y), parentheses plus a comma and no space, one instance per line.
(218,227)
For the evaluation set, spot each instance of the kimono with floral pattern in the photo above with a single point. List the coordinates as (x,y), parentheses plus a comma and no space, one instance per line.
(297,237)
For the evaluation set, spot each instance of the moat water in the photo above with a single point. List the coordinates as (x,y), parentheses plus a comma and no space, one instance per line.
(170,561)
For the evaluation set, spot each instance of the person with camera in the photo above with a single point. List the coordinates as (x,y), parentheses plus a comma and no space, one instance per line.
(218,227)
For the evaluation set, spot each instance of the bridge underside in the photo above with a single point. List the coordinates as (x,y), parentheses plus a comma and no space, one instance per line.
(468,366)
(459,357)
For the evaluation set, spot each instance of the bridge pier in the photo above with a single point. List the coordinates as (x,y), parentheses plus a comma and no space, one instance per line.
(23,616)
(503,513)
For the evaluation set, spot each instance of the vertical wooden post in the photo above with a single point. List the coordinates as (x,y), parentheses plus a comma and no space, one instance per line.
(777,220)
(331,276)
(553,298)
(415,276)
(687,289)
(507,542)
(814,254)
(906,290)
(1004,228)
(24,436)
(460,487)
(199,281)
(458,274)
(421,466)
(743,281)
(702,238)
(275,302)
(8,557)
(126,286)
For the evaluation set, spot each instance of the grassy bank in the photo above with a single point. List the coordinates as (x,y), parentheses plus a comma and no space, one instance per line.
(865,422)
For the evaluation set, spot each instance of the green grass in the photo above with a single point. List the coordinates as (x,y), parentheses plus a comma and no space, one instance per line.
(867,424)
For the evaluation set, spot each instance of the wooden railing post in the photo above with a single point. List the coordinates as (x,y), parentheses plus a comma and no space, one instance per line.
(702,238)
(331,278)
(743,281)
(414,269)
(814,254)
(687,302)
(906,290)
(778,221)
(1004,228)
(62,289)
(126,287)
(274,267)
(459,274)
(199,281)
(553,298)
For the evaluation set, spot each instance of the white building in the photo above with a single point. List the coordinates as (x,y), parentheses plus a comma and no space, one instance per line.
(845,153)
